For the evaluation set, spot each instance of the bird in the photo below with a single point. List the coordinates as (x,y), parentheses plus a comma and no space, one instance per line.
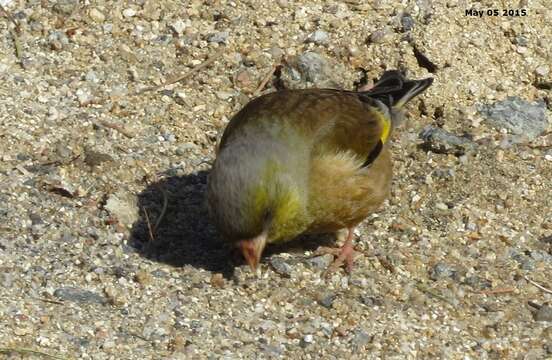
(306,161)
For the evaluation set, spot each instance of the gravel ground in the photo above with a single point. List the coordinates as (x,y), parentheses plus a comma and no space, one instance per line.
(106,251)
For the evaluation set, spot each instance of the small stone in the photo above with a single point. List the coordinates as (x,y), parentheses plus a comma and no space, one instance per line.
(361,338)
(123,205)
(217,280)
(219,37)
(114,295)
(319,37)
(442,142)
(380,36)
(276,53)
(178,27)
(441,206)
(65,7)
(84,97)
(477,282)
(143,277)
(224,95)
(308,338)
(370,300)
(96,15)
(517,115)
(58,40)
(326,299)
(407,22)
(95,158)
(79,295)
(441,270)
(320,262)
(544,313)
(313,67)
(280,266)
(129,12)
(542,70)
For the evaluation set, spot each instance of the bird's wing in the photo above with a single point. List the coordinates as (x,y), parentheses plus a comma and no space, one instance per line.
(331,121)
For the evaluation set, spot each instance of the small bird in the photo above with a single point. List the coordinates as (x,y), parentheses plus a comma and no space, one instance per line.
(306,161)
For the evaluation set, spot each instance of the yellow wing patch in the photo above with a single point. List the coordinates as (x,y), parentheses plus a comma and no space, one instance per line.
(385,123)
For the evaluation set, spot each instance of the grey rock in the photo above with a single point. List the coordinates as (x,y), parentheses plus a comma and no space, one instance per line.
(95,158)
(516,115)
(361,338)
(477,282)
(542,70)
(319,37)
(510,140)
(271,350)
(442,270)
(326,299)
(65,7)
(544,313)
(219,37)
(380,36)
(370,300)
(442,142)
(35,218)
(320,262)
(407,22)
(280,266)
(525,262)
(548,346)
(79,295)
(161,274)
(313,67)
(57,40)
(541,256)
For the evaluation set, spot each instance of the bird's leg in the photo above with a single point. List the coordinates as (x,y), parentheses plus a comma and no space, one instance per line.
(344,255)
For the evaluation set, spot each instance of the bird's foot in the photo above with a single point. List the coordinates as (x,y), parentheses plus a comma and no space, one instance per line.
(345,255)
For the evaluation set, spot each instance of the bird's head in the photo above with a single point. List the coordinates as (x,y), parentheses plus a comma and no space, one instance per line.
(255,200)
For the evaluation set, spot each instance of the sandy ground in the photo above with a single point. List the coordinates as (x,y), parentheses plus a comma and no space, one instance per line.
(106,251)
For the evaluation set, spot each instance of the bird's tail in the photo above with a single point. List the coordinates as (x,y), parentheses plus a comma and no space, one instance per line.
(394,90)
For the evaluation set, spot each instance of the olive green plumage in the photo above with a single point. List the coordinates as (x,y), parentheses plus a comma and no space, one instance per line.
(306,161)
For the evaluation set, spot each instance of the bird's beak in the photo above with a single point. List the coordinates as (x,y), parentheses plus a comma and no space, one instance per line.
(252,249)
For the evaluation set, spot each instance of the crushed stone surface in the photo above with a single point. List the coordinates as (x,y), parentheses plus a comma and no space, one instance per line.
(106,250)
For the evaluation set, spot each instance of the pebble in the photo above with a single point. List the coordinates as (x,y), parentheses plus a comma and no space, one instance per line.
(65,7)
(96,15)
(326,299)
(129,12)
(123,205)
(516,115)
(309,338)
(219,37)
(544,313)
(313,67)
(319,37)
(361,338)
(95,158)
(280,266)
(441,270)
(320,262)
(179,26)
(442,142)
(380,36)
(79,295)
(84,97)
(542,70)
(407,22)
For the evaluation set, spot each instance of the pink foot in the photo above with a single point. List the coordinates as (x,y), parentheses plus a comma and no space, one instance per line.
(344,256)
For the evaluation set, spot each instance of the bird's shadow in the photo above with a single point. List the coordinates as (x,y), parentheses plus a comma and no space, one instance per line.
(185,236)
